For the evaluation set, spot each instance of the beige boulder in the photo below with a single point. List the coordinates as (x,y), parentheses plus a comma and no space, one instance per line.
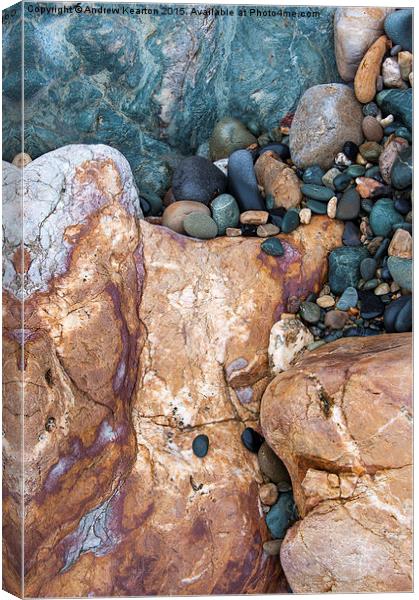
(341,420)
(356,29)
(137,339)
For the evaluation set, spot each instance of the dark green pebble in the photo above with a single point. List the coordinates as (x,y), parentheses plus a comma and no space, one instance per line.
(403,205)
(349,205)
(401,172)
(383,216)
(282,515)
(273,247)
(344,267)
(350,149)
(331,337)
(318,208)
(252,440)
(403,225)
(371,284)
(398,103)
(276,220)
(373,172)
(200,445)
(313,175)
(354,171)
(368,268)
(341,182)
(317,192)
(290,221)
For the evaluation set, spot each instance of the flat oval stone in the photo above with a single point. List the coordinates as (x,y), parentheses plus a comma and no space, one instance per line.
(242,182)
(273,247)
(175,214)
(310,312)
(403,205)
(200,226)
(349,205)
(344,267)
(196,178)
(252,440)
(228,135)
(342,181)
(290,221)
(317,192)
(383,216)
(401,271)
(319,208)
(372,129)
(200,445)
(282,515)
(225,212)
(348,299)
(335,319)
(398,27)
(368,268)
(370,151)
(313,175)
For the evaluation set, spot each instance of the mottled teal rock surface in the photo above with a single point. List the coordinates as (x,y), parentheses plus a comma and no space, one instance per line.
(398,103)
(153,86)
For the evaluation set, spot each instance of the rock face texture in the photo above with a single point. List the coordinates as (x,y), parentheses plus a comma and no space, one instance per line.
(137,81)
(356,29)
(316,136)
(137,339)
(341,420)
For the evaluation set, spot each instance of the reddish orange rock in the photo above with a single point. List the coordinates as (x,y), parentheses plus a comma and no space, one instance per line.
(341,420)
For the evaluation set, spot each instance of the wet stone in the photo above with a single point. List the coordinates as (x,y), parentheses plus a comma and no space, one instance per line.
(200,445)
(200,226)
(273,247)
(350,149)
(349,205)
(252,440)
(401,271)
(355,171)
(272,547)
(351,234)
(348,299)
(383,216)
(342,181)
(317,192)
(242,182)
(225,212)
(282,515)
(344,267)
(316,207)
(282,150)
(196,178)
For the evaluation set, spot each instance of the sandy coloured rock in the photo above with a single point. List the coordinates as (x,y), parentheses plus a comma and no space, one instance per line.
(350,468)
(401,244)
(356,29)
(365,83)
(278,180)
(317,135)
(181,353)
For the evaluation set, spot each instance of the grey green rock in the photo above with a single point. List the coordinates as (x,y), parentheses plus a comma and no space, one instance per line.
(344,265)
(225,212)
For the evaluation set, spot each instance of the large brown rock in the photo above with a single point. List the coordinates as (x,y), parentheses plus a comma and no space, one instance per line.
(341,420)
(137,339)
(327,116)
(356,29)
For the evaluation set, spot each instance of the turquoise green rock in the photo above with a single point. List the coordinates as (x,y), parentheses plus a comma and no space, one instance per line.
(383,216)
(355,171)
(282,515)
(313,175)
(317,192)
(153,86)
(399,28)
(228,135)
(402,170)
(404,133)
(401,271)
(397,103)
(273,247)
(318,208)
(290,221)
(200,226)
(344,267)
(348,299)
(342,181)
(225,212)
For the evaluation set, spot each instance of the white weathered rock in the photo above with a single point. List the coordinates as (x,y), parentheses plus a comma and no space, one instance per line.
(392,77)
(288,337)
(222,164)
(356,29)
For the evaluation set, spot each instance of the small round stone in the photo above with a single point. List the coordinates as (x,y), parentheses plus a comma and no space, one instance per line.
(336,319)
(372,129)
(316,207)
(271,465)
(272,547)
(200,445)
(305,216)
(268,494)
(370,151)
(176,213)
(317,192)
(252,440)
(200,226)
(267,230)
(368,268)
(21,160)
(310,312)
(325,301)
(383,216)
(273,247)
(382,289)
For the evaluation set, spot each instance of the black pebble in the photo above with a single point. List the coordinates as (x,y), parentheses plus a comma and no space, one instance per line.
(242,182)
(145,206)
(196,178)
(200,445)
(350,150)
(351,234)
(282,150)
(403,205)
(371,305)
(248,230)
(252,440)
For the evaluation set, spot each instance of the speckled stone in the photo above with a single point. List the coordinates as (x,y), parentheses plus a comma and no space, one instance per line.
(401,271)
(344,267)
(225,212)
(200,445)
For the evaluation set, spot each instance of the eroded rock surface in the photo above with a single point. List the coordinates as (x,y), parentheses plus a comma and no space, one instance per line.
(341,420)
(136,340)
